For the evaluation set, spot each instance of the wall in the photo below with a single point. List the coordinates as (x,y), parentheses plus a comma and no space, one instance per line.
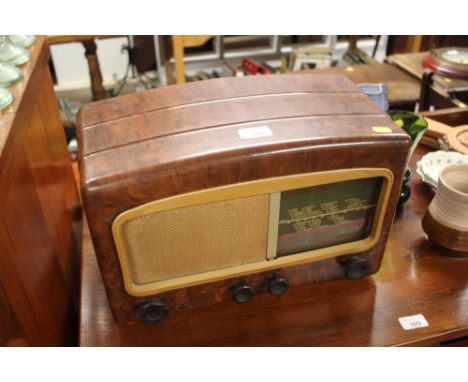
(72,69)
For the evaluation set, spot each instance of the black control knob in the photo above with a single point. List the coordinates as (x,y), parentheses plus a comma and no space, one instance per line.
(153,311)
(356,268)
(241,291)
(277,285)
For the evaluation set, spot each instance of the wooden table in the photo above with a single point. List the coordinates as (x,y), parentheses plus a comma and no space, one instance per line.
(413,280)
(413,64)
(447,92)
(403,89)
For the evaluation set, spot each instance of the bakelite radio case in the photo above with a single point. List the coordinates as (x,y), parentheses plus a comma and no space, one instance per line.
(182,186)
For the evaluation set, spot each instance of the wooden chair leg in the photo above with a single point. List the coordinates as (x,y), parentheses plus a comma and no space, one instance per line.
(413,44)
(178,49)
(424,95)
(97,87)
(167,54)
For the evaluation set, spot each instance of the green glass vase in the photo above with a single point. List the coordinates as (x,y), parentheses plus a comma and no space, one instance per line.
(412,123)
(415,126)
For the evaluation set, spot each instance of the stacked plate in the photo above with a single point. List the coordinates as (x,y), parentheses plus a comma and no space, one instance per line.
(430,165)
(13,53)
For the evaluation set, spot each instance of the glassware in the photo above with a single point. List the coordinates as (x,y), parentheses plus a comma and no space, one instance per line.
(451,62)
(6,98)
(378,93)
(23,40)
(415,126)
(12,54)
(9,75)
(412,123)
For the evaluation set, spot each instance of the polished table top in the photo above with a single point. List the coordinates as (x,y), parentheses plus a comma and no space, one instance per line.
(403,88)
(413,280)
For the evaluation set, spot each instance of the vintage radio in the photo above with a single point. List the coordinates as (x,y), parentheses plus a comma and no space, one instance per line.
(201,193)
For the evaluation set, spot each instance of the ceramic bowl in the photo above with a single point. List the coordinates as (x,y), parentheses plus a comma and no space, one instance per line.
(430,165)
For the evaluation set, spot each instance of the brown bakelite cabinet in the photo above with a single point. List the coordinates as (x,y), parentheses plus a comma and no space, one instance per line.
(199,195)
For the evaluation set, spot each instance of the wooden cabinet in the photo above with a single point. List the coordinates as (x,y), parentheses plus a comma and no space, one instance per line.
(39,215)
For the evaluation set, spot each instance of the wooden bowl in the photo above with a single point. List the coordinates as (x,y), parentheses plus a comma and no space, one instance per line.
(446,220)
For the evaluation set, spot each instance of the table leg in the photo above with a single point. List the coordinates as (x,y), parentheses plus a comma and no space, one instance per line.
(94,70)
(424,96)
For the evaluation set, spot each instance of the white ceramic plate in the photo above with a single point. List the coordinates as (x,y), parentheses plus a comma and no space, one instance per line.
(433,163)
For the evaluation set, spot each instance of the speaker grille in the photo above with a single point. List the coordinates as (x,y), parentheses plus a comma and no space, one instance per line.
(196,239)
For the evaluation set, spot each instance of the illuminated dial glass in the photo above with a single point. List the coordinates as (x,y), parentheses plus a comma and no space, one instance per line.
(321,216)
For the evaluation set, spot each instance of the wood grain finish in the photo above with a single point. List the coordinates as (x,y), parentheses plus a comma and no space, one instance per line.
(204,91)
(39,209)
(133,151)
(453,116)
(413,279)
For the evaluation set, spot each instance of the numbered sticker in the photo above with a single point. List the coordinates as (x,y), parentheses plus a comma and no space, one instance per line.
(413,322)
(255,132)
(381,129)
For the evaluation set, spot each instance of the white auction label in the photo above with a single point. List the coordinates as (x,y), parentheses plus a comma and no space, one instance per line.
(255,132)
(413,322)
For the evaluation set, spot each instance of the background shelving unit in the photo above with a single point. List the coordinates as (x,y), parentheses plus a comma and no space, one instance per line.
(268,48)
